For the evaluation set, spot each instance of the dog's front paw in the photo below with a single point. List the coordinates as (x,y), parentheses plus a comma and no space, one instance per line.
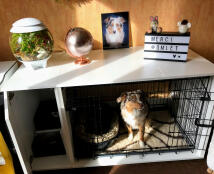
(130,137)
(148,129)
(141,143)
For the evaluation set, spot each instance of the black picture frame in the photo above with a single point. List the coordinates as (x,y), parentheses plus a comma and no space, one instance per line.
(115,30)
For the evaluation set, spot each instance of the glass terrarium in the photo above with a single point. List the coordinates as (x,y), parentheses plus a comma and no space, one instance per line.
(31,42)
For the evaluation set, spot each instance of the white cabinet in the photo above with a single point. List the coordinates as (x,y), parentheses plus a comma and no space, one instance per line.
(189,84)
(7,68)
(20,108)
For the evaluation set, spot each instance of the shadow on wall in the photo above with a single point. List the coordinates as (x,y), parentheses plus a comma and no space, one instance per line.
(200,13)
(71,3)
(57,15)
(61,18)
(61,15)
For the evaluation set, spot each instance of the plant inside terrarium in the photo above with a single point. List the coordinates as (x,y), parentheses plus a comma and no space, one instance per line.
(31,46)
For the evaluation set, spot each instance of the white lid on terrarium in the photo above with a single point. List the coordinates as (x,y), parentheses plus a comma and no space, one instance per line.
(27,25)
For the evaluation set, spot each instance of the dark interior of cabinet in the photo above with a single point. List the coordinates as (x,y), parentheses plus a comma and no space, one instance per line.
(47,136)
(175,107)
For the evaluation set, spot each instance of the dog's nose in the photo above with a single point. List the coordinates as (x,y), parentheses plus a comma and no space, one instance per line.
(114,31)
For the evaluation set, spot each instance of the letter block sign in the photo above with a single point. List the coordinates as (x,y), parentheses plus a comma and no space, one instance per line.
(166,46)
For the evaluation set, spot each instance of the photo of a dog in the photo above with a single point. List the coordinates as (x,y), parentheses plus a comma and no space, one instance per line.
(115,28)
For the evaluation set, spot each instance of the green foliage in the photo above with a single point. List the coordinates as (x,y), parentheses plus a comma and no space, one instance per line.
(28,46)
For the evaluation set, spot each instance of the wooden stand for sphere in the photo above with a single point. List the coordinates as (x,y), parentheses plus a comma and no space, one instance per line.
(79,60)
(82,61)
(210,171)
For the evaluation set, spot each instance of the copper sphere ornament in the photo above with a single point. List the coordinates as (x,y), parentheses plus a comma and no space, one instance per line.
(79,43)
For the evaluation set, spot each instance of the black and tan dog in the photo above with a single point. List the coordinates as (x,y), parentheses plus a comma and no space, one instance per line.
(134,110)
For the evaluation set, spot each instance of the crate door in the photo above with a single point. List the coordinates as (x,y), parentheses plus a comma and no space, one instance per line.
(194,101)
(19,110)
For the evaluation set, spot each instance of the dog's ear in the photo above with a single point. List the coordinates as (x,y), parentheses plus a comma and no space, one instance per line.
(151,18)
(122,20)
(107,20)
(121,98)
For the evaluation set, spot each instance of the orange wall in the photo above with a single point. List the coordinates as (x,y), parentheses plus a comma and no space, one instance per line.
(60,15)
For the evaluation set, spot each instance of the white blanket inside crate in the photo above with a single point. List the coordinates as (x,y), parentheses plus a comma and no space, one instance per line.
(162,134)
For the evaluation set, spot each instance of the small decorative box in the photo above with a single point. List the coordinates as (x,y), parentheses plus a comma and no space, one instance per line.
(166,46)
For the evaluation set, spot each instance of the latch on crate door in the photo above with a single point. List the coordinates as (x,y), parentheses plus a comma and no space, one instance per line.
(208,123)
(204,123)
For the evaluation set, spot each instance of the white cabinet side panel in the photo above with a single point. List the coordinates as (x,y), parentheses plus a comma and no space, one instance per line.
(65,124)
(19,112)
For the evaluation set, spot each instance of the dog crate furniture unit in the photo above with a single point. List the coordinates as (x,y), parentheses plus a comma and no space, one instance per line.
(93,134)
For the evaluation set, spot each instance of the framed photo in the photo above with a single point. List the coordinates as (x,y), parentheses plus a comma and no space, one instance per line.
(115,30)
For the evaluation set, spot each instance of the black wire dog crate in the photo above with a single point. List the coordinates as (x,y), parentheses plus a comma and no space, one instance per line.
(175,123)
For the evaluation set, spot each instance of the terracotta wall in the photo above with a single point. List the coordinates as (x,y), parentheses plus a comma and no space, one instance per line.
(60,15)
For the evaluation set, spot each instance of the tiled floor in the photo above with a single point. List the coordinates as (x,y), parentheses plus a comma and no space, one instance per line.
(179,167)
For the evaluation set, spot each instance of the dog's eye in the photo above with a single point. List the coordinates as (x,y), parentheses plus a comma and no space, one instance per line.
(132,98)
